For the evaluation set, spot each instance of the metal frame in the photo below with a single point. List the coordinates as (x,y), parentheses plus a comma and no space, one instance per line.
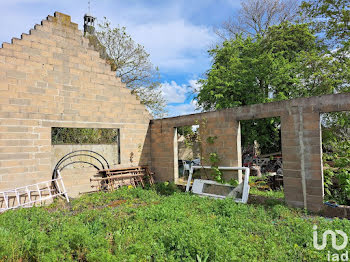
(89,153)
(26,192)
(245,190)
(83,152)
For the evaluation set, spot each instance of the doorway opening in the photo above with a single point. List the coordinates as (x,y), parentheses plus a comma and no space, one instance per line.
(262,153)
(187,152)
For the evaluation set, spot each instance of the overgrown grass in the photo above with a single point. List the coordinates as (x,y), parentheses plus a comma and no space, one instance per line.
(256,185)
(141,225)
(278,194)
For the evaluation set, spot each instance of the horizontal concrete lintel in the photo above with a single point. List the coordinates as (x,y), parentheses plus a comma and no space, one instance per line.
(324,103)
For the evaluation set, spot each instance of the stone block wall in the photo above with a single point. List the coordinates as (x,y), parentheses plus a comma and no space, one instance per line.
(301,142)
(78,174)
(214,124)
(52,78)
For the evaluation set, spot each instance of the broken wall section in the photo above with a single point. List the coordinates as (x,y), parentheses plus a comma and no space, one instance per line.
(301,142)
(218,124)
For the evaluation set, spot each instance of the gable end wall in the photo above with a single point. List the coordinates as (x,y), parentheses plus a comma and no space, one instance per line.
(52,78)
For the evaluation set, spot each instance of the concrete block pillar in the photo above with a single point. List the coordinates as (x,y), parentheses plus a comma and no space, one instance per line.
(302,158)
(227,132)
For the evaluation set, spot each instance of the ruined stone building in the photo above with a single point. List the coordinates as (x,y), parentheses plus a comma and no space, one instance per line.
(51,77)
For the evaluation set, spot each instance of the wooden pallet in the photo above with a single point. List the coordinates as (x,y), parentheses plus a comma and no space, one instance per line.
(111,179)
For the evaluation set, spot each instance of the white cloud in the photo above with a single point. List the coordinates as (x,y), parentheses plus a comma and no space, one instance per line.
(195,85)
(182,109)
(175,42)
(176,96)
(175,45)
(174,93)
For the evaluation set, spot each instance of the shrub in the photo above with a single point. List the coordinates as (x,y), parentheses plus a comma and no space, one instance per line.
(166,188)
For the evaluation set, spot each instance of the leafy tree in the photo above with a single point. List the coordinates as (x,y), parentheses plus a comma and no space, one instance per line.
(336,128)
(331,20)
(131,63)
(185,130)
(330,17)
(302,65)
(256,16)
(336,156)
(286,63)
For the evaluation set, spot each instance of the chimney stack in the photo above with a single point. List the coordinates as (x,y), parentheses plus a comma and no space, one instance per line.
(89,24)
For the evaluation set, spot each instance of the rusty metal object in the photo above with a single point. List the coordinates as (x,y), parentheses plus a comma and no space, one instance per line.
(111,179)
(267,163)
(275,182)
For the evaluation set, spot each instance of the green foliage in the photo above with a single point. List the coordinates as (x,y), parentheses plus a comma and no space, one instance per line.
(140,225)
(191,136)
(65,135)
(342,162)
(229,78)
(246,70)
(211,139)
(337,176)
(185,130)
(259,187)
(216,173)
(266,131)
(288,62)
(250,70)
(330,17)
(166,188)
(344,181)
(330,20)
(337,185)
(336,156)
(274,194)
(336,132)
(214,158)
(233,182)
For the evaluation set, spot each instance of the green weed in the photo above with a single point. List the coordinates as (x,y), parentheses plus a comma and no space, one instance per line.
(142,225)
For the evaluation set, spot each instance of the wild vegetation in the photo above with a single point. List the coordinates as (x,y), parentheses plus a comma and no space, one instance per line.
(336,157)
(274,50)
(66,135)
(141,225)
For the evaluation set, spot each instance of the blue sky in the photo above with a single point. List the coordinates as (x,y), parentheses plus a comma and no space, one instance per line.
(176,33)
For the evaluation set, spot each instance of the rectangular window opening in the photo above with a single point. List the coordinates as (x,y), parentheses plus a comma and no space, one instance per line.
(84,136)
(104,140)
(336,157)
